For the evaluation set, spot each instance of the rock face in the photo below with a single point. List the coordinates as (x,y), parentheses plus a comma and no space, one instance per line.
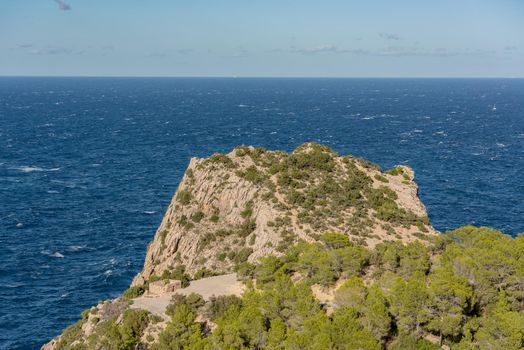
(236,207)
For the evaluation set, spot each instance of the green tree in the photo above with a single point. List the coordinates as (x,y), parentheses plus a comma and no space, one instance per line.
(348,333)
(451,299)
(351,293)
(334,240)
(276,335)
(181,332)
(501,329)
(409,302)
(376,315)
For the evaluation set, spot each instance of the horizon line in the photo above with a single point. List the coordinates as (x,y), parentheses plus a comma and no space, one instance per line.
(258,77)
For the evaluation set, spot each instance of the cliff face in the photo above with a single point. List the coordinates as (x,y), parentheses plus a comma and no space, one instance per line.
(252,202)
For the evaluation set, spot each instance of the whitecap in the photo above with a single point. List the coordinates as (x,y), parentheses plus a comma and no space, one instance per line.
(241,106)
(149,212)
(108,273)
(65,295)
(19,225)
(30,169)
(76,248)
(54,255)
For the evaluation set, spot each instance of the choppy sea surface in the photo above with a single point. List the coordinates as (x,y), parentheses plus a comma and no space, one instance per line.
(88,165)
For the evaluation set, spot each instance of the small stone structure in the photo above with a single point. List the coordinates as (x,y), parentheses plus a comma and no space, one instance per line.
(164,286)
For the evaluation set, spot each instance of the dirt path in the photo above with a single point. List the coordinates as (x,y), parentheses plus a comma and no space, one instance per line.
(216,285)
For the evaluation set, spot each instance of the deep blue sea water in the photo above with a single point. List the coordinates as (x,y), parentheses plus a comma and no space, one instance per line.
(88,165)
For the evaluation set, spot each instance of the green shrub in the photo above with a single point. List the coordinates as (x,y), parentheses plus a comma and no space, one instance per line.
(242,255)
(197,216)
(134,292)
(381,178)
(220,159)
(252,174)
(219,305)
(246,213)
(202,273)
(184,197)
(178,273)
(194,301)
(246,228)
(70,335)
(334,240)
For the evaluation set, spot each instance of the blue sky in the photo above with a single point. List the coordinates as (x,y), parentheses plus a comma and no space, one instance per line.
(329,38)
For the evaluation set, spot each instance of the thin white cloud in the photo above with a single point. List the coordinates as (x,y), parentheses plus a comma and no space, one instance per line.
(52,50)
(391,51)
(62,5)
(317,49)
(389,36)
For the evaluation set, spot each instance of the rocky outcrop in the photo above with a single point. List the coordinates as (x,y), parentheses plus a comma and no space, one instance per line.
(231,209)
(252,202)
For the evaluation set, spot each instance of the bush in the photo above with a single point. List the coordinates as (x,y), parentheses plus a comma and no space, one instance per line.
(219,305)
(381,178)
(193,301)
(197,216)
(246,228)
(134,292)
(334,240)
(220,159)
(252,174)
(184,197)
(178,273)
(203,273)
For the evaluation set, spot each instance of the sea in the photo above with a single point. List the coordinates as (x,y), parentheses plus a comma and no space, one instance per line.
(88,166)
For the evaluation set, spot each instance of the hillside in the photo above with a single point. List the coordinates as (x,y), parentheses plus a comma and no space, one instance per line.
(252,202)
(329,252)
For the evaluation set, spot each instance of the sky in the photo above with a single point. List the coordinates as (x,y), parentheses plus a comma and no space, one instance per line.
(264,38)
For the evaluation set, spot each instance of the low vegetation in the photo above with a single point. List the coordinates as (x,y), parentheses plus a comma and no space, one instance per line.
(463,290)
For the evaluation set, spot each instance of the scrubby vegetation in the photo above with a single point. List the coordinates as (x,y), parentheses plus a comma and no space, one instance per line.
(115,333)
(134,292)
(464,290)
(325,190)
(176,273)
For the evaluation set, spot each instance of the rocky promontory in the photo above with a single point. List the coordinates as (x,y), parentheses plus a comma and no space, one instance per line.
(232,210)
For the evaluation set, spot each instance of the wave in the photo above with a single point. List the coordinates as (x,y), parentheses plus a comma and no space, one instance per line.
(30,169)
(76,248)
(54,255)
